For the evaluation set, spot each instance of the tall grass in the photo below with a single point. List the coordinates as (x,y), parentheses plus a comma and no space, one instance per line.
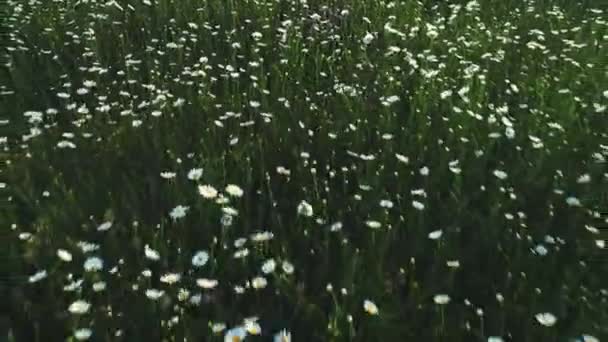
(345,170)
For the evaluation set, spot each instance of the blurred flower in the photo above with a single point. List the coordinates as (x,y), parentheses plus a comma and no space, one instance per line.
(253,327)
(259,282)
(434,235)
(207,191)
(495,339)
(218,327)
(207,283)
(546,318)
(500,174)
(282,336)
(170,278)
(367,39)
(154,294)
(150,253)
(195,174)
(64,255)
(234,190)
(93,264)
(200,258)
(79,307)
(82,334)
(104,226)
(417,205)
(305,209)
(268,266)
(287,267)
(236,334)
(573,201)
(441,299)
(178,212)
(370,307)
(373,224)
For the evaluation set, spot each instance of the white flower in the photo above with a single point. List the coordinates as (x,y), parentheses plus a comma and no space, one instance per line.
(93,264)
(453,263)
(234,190)
(386,204)
(230,211)
(495,339)
(236,334)
(195,174)
(368,38)
(424,171)
(268,266)
(373,224)
(178,212)
(305,209)
(82,334)
(441,299)
(99,286)
(402,158)
(167,174)
(392,99)
(541,250)
(200,258)
(104,226)
(206,283)
(546,318)
(79,307)
(254,104)
(207,191)
(500,174)
(154,294)
(287,267)
(259,282)
(66,144)
(510,132)
(218,327)
(282,336)
(418,205)
(589,338)
(261,236)
(87,247)
(196,299)
(335,227)
(434,235)
(241,253)
(370,307)
(584,179)
(283,171)
(253,327)
(64,255)
(573,201)
(151,254)
(170,278)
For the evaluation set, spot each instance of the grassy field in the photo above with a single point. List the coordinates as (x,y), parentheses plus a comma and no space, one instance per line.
(306,170)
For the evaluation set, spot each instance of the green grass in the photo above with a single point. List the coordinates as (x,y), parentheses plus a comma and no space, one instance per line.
(502,103)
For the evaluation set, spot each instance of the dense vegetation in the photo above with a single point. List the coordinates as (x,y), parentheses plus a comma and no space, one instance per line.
(315,170)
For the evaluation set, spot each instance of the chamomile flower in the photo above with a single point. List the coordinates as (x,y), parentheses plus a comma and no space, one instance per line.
(370,307)
(234,190)
(200,258)
(236,334)
(282,336)
(441,299)
(546,319)
(207,191)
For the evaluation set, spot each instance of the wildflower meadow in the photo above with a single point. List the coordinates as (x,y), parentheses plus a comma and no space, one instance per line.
(303,170)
